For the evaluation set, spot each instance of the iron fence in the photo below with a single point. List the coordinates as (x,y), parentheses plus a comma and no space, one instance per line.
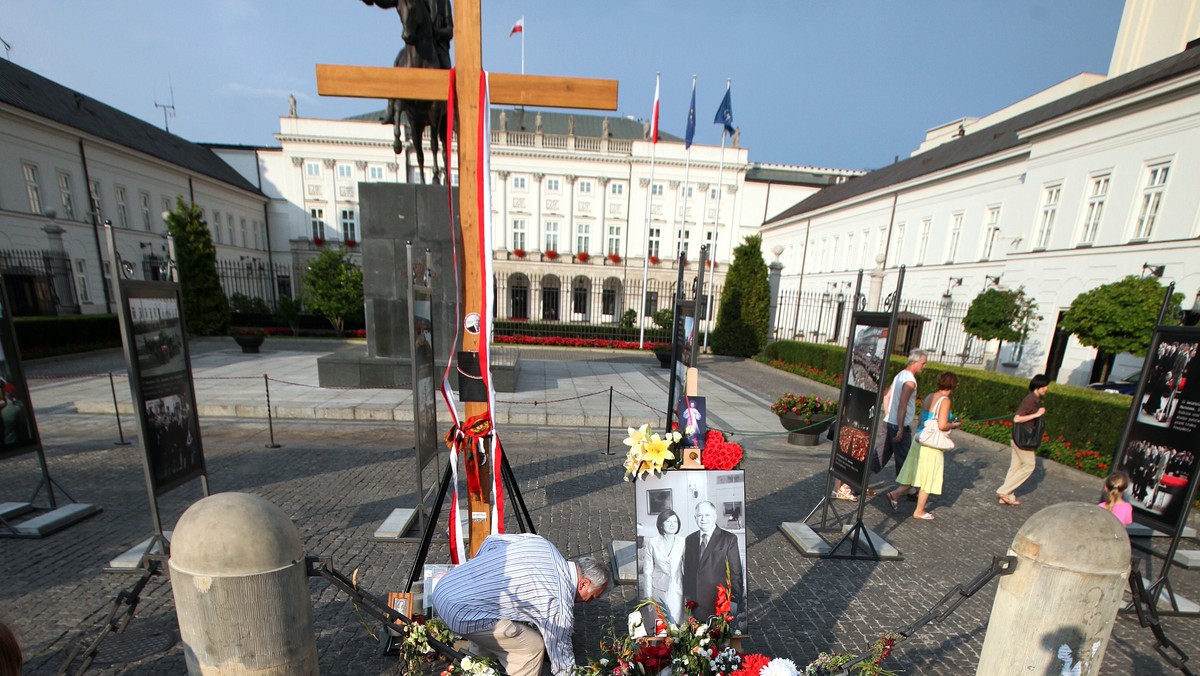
(39,282)
(824,317)
(252,278)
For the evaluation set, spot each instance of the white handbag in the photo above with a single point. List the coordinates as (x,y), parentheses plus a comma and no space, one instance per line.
(931,434)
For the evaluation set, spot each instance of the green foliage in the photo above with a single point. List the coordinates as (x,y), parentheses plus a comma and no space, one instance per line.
(745,303)
(288,310)
(1087,418)
(49,336)
(628,318)
(205,308)
(664,318)
(1004,314)
(244,304)
(333,288)
(1118,317)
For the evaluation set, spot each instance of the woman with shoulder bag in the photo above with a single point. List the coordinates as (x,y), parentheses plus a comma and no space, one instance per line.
(924,468)
(1028,425)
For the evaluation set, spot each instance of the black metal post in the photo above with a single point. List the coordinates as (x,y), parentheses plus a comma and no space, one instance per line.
(608,445)
(270,419)
(117,411)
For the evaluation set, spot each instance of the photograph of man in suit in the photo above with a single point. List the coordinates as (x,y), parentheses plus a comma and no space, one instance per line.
(705,555)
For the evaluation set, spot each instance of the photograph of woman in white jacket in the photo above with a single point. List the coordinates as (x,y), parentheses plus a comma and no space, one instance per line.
(662,567)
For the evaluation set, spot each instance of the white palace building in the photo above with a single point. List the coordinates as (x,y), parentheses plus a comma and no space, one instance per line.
(1077,186)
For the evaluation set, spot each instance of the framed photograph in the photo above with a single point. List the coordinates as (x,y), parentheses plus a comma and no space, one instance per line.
(691,528)
(658,500)
(401,602)
(431,573)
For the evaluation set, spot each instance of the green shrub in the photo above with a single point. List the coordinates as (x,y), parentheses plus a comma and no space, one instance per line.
(240,302)
(735,338)
(664,318)
(628,318)
(1088,419)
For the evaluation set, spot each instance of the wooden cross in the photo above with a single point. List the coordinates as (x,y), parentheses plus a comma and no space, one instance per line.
(431,85)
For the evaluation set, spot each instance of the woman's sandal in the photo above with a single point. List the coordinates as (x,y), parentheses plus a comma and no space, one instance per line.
(927,516)
(892,502)
(1007,500)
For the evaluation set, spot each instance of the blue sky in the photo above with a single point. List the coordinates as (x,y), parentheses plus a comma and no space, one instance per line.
(833,83)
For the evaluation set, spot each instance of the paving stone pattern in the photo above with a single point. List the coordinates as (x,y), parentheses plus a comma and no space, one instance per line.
(339,479)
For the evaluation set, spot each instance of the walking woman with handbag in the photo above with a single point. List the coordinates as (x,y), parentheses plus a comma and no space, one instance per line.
(924,468)
(1027,429)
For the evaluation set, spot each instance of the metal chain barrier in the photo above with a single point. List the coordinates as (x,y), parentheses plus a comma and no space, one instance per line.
(1000,566)
(122,612)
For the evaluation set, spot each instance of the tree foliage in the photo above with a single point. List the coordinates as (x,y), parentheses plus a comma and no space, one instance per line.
(745,303)
(1118,317)
(205,307)
(1002,314)
(333,288)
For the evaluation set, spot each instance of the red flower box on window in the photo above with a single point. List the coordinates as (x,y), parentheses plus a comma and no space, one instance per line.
(350,244)
(654,260)
(614,258)
(582,256)
(319,241)
(519,253)
(551,254)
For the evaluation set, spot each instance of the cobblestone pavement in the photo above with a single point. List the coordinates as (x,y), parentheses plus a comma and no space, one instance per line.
(338,480)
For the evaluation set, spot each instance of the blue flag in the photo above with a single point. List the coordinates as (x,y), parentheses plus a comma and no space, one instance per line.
(691,123)
(725,113)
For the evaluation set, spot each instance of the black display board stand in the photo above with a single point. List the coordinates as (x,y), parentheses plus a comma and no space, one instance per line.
(19,436)
(1160,446)
(871,341)
(154,338)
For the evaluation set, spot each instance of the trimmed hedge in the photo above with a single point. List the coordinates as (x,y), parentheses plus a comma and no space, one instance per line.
(1077,413)
(305,323)
(50,336)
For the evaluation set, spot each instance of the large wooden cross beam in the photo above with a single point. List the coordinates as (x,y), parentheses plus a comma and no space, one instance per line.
(432,85)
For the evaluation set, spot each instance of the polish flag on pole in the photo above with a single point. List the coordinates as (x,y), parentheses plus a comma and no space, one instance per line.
(518,27)
(654,117)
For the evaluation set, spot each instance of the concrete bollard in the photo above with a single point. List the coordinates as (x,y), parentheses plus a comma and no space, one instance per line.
(1057,609)
(241,589)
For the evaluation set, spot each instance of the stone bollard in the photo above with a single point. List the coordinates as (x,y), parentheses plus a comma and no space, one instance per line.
(1057,609)
(241,589)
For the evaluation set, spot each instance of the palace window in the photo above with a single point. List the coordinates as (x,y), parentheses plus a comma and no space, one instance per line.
(375,173)
(1095,209)
(81,281)
(94,194)
(614,240)
(1050,197)
(349,225)
(553,185)
(122,210)
(65,195)
(585,187)
(518,233)
(955,236)
(923,243)
(653,246)
(682,239)
(1156,185)
(345,171)
(312,169)
(216,226)
(656,189)
(316,221)
(144,201)
(551,235)
(616,189)
(583,237)
(990,232)
(519,183)
(33,188)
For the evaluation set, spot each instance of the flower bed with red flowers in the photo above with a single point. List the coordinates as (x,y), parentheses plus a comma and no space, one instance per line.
(563,341)
(810,372)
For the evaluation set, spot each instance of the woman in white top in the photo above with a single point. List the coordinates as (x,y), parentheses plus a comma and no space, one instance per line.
(662,567)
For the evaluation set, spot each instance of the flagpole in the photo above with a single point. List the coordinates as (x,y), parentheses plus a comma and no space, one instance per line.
(522,45)
(687,162)
(717,220)
(649,195)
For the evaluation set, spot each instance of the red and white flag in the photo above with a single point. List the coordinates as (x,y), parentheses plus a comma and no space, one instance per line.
(518,27)
(654,117)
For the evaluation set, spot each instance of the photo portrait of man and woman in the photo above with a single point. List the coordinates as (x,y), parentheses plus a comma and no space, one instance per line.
(691,531)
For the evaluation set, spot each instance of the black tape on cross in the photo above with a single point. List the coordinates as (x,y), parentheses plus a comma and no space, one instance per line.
(470,378)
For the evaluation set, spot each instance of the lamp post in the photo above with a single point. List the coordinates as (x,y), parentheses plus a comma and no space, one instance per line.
(825,296)
(947,302)
(840,298)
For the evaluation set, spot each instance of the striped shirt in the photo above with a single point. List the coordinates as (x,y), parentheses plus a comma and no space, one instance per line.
(519,577)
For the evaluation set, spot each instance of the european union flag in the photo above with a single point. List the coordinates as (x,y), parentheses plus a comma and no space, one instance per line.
(725,112)
(691,123)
